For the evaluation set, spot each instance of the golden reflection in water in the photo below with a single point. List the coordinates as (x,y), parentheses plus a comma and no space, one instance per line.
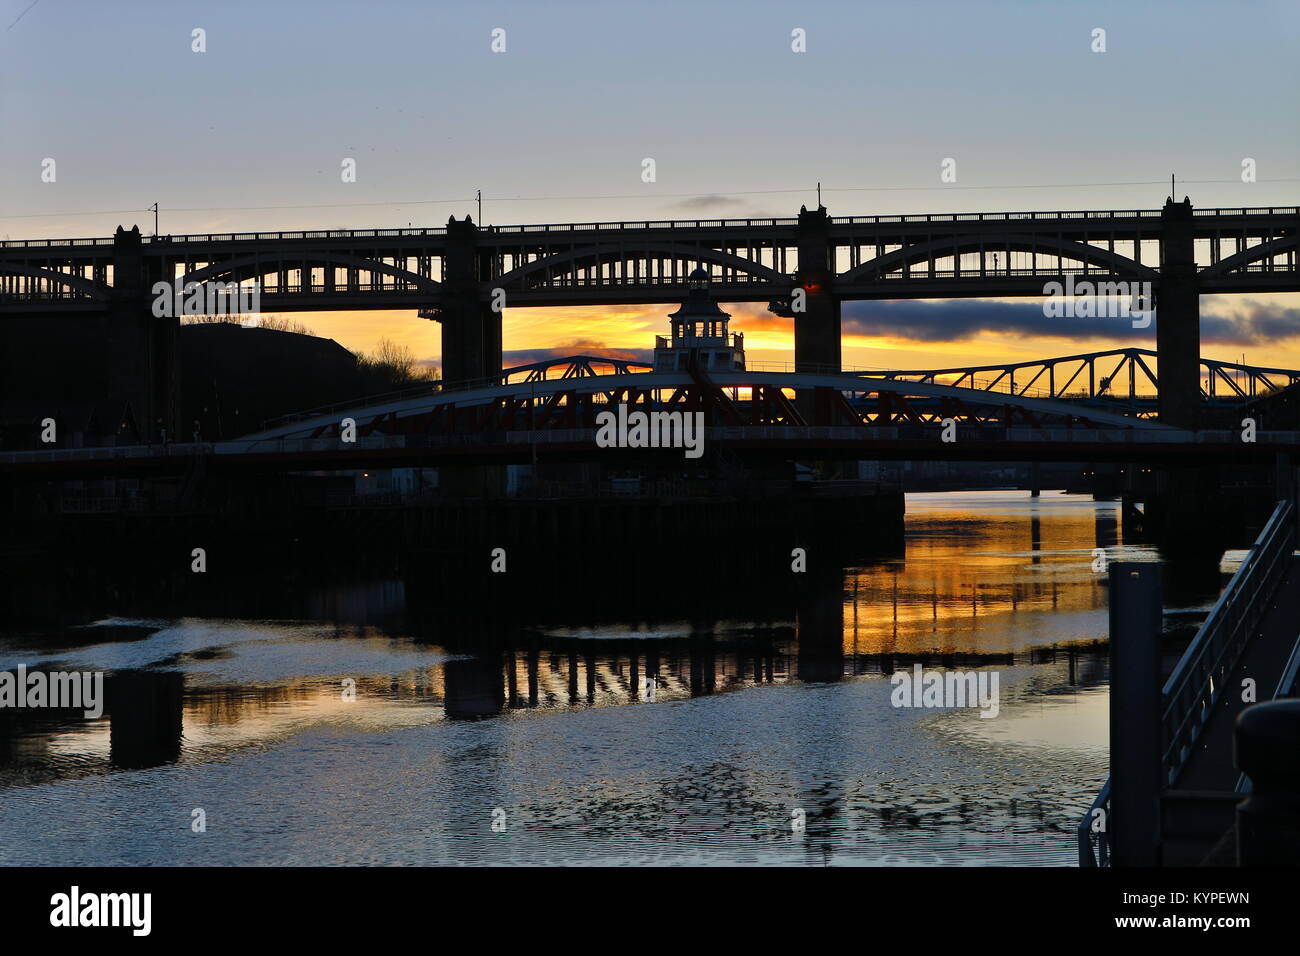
(987,573)
(983,574)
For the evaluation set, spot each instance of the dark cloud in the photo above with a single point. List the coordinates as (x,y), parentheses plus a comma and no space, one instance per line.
(516,357)
(965,318)
(1258,325)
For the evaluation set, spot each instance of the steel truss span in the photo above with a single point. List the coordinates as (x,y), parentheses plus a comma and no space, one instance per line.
(738,399)
(772,415)
(1121,382)
(1115,378)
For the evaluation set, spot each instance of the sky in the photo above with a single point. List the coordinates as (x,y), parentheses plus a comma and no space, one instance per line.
(250,134)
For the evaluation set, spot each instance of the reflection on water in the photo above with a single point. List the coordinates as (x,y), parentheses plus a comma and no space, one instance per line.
(990,572)
(594,740)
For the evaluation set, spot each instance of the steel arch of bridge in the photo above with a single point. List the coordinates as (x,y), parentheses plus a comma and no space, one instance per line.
(254,267)
(732,398)
(1224,381)
(953,248)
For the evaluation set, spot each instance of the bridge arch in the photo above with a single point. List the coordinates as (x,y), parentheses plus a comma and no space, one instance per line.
(1265,250)
(954,246)
(570,261)
(78,283)
(671,383)
(247,267)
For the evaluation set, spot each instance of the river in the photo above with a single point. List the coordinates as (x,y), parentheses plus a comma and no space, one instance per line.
(332,728)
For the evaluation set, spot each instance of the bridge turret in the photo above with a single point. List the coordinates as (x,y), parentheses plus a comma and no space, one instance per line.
(699,332)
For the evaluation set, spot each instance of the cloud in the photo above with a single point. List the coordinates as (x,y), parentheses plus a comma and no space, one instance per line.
(1258,324)
(711,201)
(955,320)
(515,357)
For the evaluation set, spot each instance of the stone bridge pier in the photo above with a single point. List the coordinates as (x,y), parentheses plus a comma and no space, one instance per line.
(142,350)
(817,326)
(471,343)
(817,323)
(1178,318)
(471,329)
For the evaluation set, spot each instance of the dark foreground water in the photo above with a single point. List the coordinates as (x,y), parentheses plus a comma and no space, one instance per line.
(767,739)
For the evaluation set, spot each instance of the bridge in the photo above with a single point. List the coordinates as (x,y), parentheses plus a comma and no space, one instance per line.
(528,414)
(805,267)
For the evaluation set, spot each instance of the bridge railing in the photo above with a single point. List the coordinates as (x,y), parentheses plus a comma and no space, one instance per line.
(1067,214)
(650,224)
(297,234)
(1048,271)
(1003,216)
(1250,211)
(1199,678)
(43,243)
(570,281)
(1288,685)
(413,232)
(60,293)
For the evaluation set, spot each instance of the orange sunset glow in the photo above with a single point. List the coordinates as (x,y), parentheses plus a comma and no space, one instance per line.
(629,331)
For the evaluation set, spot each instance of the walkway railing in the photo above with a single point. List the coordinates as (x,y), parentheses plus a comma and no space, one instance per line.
(1094,845)
(1288,685)
(1200,676)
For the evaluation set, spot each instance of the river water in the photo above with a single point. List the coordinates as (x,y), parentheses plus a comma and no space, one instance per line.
(334,730)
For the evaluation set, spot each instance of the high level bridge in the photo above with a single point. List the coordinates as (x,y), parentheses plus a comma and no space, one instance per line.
(452,274)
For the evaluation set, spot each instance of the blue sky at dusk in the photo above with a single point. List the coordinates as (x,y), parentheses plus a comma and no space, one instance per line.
(556,128)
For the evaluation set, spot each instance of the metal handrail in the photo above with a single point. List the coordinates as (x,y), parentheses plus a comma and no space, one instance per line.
(1288,685)
(1198,679)
(1098,855)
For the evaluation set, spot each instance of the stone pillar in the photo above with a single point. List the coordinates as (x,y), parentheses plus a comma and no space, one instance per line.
(143,373)
(471,343)
(1178,319)
(471,331)
(817,327)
